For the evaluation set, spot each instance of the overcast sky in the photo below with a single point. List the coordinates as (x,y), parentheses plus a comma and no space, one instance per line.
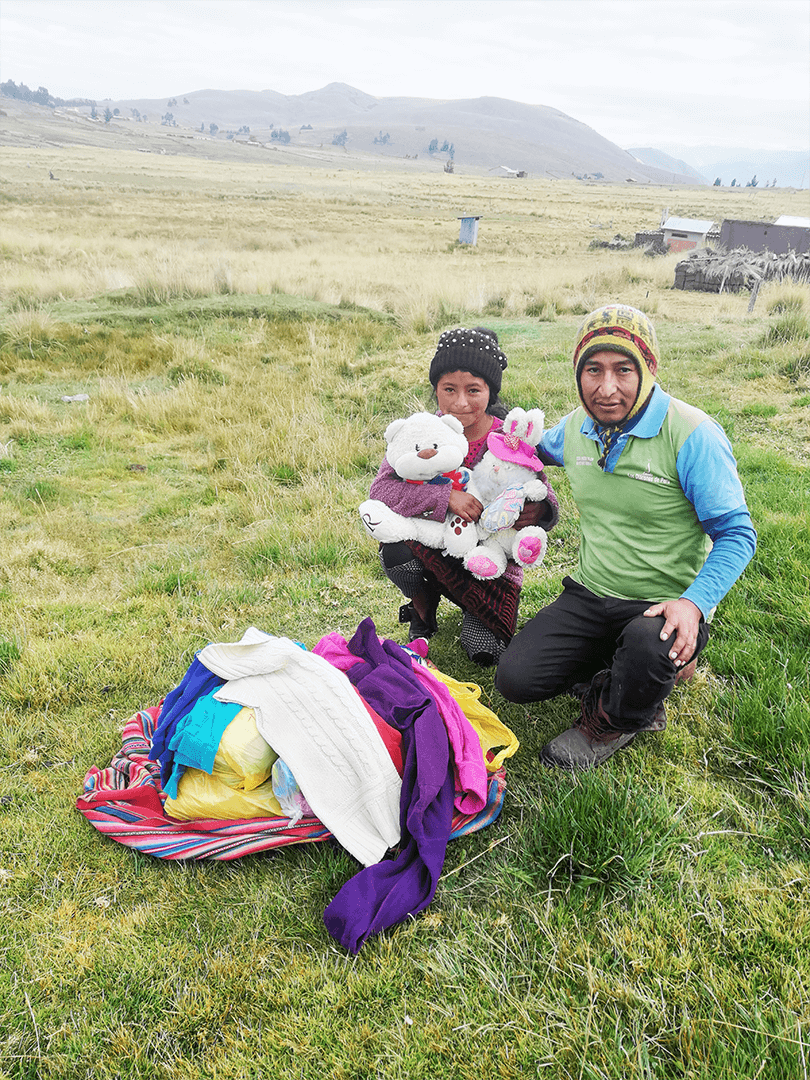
(640,72)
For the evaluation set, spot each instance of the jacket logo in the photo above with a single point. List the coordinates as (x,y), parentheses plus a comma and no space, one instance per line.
(648,478)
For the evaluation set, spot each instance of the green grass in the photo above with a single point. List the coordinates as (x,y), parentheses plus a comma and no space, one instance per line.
(647,921)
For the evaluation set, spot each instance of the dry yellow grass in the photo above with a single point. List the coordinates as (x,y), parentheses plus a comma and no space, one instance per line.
(163,227)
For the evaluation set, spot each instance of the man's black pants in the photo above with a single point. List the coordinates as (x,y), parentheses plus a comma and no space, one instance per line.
(580,634)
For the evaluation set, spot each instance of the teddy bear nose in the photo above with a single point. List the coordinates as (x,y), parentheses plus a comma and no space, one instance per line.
(427,453)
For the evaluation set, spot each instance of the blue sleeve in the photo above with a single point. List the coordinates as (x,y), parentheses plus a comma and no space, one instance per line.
(735,540)
(550,447)
(708,473)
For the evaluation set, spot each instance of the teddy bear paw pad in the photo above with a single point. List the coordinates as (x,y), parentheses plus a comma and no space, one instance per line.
(529,550)
(481,566)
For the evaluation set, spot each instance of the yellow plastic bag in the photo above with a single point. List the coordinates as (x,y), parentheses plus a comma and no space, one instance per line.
(491,731)
(240,784)
(200,796)
(244,759)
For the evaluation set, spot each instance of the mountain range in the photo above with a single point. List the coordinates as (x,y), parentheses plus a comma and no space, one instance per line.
(484,134)
(776,168)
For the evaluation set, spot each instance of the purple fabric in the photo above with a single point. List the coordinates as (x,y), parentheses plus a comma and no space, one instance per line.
(388,892)
(197,682)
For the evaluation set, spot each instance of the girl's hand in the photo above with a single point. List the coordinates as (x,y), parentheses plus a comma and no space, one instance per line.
(465,506)
(529,515)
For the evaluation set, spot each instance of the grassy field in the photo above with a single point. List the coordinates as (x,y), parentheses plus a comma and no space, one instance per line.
(243,336)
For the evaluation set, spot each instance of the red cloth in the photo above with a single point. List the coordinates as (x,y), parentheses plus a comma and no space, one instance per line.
(390,736)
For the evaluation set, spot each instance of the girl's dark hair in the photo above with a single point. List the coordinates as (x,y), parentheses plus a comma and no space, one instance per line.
(496,407)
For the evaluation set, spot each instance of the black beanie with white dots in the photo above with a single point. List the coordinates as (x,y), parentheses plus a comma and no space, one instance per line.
(476,351)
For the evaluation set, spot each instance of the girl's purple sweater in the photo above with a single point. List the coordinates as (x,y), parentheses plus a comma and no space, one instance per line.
(422,500)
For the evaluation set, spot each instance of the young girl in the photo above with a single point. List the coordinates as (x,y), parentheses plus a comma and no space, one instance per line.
(465,374)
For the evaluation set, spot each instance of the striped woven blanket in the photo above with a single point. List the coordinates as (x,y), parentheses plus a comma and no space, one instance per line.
(125,802)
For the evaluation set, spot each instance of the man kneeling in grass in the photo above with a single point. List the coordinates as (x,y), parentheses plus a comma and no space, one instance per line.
(664,534)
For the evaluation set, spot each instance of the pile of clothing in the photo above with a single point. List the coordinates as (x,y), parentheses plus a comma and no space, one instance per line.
(265,743)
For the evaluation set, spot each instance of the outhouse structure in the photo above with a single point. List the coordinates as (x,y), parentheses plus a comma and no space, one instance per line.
(468,233)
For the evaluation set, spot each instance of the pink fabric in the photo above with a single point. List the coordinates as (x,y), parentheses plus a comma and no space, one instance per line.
(469,769)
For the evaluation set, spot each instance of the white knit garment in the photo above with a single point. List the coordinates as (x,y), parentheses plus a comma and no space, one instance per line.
(313,718)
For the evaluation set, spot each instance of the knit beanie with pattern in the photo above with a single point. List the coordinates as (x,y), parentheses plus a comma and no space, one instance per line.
(476,351)
(623,329)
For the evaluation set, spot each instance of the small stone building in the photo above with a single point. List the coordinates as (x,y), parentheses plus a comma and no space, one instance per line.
(683,234)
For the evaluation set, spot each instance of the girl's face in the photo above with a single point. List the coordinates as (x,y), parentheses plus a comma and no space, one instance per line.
(466,397)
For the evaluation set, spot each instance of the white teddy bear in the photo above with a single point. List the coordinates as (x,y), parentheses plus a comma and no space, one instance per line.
(430,449)
(425,449)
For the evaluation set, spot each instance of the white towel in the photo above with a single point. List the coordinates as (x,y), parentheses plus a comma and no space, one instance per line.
(311,715)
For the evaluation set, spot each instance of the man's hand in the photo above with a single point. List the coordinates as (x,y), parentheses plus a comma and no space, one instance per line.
(684,617)
(466,506)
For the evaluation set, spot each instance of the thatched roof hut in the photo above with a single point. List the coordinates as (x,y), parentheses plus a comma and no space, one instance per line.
(716,271)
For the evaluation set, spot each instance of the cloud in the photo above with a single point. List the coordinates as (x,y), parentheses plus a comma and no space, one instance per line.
(690,71)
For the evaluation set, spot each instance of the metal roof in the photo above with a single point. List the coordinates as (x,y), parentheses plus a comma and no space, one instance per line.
(688,225)
(798,222)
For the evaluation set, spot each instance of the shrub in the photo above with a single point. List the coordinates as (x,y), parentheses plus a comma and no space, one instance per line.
(789,327)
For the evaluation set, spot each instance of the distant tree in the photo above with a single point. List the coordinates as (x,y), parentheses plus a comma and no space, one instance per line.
(108,115)
(280,135)
(202,126)
(383,139)
(185,101)
(717,182)
(774,182)
(753,181)
(171,102)
(40,96)
(213,128)
(116,112)
(93,113)
(168,120)
(434,146)
(733,183)
(341,139)
(305,127)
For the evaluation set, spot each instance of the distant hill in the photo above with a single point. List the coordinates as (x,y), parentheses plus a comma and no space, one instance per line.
(659,160)
(484,134)
(789,168)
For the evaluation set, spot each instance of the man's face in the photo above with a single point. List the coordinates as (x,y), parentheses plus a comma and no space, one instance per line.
(610,385)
